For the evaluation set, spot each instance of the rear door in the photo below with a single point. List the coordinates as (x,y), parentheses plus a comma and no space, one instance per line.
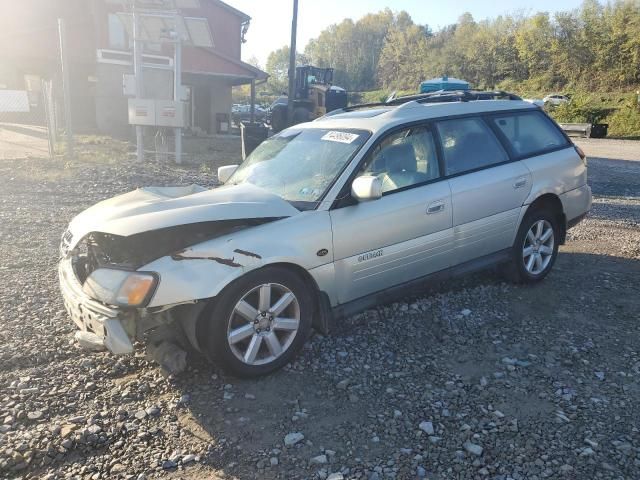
(405,234)
(488,189)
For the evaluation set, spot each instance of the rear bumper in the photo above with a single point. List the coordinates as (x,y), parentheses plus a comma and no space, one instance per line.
(576,204)
(90,315)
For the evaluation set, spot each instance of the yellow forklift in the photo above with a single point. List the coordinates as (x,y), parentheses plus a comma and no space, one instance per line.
(315,95)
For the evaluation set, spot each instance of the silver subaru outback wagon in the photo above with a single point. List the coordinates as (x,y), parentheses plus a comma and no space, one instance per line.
(321,220)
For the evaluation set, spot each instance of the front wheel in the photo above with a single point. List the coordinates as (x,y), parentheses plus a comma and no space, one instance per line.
(279,118)
(301,115)
(535,248)
(259,322)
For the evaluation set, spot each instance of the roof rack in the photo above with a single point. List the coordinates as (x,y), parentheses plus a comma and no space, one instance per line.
(437,97)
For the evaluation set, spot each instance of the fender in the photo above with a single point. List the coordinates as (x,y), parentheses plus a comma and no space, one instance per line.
(203,270)
(555,173)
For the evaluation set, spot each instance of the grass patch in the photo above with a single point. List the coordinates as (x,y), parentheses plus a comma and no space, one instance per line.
(94,149)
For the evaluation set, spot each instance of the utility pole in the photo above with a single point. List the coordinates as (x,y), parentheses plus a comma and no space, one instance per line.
(62,33)
(137,71)
(252,117)
(177,87)
(292,63)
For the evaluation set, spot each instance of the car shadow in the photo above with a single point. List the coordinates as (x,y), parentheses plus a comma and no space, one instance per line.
(245,421)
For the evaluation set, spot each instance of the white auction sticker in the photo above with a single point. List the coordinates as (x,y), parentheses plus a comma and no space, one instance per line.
(342,137)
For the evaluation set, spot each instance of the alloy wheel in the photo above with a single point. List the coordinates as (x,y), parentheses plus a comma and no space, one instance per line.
(263,324)
(537,250)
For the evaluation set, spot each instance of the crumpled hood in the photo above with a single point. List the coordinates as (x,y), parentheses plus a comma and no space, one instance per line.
(152,208)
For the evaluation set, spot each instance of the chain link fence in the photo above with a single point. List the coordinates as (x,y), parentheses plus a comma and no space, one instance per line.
(28,121)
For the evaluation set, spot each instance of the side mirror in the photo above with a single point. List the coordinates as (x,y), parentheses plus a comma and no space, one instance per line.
(366,187)
(224,173)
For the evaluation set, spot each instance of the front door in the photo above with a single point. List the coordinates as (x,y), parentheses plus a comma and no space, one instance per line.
(405,234)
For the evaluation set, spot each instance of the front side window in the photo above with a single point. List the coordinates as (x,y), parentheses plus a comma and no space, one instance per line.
(300,165)
(403,159)
(529,132)
(469,144)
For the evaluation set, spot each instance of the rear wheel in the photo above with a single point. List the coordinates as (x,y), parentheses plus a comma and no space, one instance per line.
(259,322)
(535,248)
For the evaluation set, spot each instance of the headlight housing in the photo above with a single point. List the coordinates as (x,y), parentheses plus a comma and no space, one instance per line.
(119,287)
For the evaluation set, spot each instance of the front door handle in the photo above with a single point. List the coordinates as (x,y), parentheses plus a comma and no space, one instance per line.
(521,182)
(435,207)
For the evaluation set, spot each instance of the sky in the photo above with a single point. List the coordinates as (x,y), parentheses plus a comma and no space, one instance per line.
(271,19)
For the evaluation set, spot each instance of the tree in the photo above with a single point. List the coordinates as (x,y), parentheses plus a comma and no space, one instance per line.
(593,47)
(352,49)
(402,59)
(278,69)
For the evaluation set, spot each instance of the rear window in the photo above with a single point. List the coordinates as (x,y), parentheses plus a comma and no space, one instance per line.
(529,133)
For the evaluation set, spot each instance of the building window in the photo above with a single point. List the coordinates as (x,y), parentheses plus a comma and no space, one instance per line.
(198,30)
(154,30)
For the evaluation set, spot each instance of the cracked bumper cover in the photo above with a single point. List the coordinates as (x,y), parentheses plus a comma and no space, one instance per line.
(90,315)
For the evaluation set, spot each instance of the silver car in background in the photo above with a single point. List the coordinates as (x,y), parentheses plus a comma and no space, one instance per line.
(322,220)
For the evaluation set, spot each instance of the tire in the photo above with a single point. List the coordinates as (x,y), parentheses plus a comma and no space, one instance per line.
(534,251)
(279,118)
(301,115)
(248,340)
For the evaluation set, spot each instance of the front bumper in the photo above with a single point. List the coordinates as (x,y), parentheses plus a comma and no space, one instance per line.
(92,316)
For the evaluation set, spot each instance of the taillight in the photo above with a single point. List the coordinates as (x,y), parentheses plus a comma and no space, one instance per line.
(583,157)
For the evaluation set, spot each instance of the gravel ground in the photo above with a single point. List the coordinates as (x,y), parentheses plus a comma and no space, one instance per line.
(476,379)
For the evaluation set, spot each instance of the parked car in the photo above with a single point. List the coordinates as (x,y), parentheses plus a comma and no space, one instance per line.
(322,220)
(536,101)
(242,113)
(556,99)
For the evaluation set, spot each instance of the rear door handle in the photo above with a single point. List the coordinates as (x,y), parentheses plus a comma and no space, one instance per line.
(435,207)
(521,182)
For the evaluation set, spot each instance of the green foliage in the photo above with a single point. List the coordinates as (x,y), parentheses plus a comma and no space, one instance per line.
(625,122)
(353,49)
(594,47)
(620,112)
(581,109)
(278,69)
(374,96)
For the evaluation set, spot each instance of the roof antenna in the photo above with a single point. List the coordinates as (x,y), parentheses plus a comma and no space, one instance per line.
(391,97)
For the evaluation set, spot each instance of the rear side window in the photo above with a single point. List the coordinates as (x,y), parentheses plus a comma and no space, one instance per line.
(529,133)
(469,144)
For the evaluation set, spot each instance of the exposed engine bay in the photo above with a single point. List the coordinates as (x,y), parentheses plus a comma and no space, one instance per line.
(98,249)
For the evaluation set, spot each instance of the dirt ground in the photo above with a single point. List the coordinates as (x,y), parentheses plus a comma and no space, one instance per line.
(21,141)
(477,378)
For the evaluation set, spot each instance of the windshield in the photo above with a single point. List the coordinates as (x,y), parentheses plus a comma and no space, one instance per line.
(300,165)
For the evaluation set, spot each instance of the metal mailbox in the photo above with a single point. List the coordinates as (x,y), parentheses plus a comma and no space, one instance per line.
(156,113)
(169,113)
(142,112)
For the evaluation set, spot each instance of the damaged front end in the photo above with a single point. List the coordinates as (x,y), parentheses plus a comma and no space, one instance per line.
(107,290)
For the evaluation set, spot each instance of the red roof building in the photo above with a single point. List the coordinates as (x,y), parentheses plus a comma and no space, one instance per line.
(100,50)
